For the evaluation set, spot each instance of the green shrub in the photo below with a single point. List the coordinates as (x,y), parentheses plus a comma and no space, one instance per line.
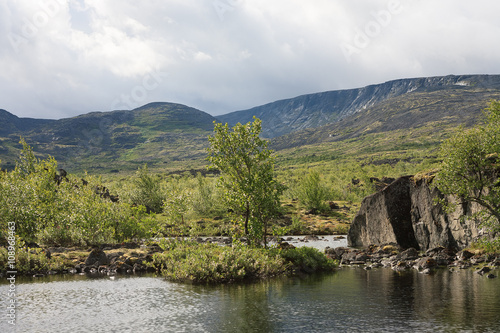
(312,192)
(298,227)
(148,191)
(66,212)
(207,198)
(307,260)
(210,263)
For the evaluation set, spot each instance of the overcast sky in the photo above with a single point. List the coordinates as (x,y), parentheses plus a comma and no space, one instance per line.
(61,58)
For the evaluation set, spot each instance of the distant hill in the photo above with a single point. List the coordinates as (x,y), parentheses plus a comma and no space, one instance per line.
(315,110)
(10,123)
(153,133)
(417,113)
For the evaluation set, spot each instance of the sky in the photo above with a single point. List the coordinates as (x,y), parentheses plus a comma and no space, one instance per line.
(62,58)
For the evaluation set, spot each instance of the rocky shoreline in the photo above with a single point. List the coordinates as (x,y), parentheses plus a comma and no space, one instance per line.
(125,258)
(394,257)
(134,258)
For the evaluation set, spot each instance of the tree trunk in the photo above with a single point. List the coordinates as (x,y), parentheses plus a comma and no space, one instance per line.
(265,234)
(247,217)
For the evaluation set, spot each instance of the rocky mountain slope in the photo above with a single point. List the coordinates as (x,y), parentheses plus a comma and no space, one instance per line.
(168,134)
(420,111)
(154,133)
(10,123)
(315,110)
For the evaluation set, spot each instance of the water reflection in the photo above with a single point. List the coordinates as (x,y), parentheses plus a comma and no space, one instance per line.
(349,300)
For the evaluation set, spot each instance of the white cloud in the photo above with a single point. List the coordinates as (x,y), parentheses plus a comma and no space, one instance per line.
(70,57)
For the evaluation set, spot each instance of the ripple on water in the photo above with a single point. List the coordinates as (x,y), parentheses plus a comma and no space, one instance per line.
(348,300)
(140,304)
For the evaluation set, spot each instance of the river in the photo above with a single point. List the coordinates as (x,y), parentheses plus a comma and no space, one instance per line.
(347,300)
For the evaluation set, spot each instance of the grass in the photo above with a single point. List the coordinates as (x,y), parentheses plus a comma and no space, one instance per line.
(208,263)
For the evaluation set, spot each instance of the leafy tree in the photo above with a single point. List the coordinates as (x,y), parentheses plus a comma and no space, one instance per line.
(247,176)
(471,165)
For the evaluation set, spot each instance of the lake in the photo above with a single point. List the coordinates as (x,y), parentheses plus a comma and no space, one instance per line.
(347,300)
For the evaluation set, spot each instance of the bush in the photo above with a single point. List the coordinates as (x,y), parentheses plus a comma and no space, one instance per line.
(207,198)
(307,260)
(61,210)
(210,263)
(313,193)
(148,191)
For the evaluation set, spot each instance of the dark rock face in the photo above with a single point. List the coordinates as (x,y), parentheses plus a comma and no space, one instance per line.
(406,213)
(384,218)
(97,258)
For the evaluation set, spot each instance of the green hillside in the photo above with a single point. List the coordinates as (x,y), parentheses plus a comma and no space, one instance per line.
(160,134)
(393,121)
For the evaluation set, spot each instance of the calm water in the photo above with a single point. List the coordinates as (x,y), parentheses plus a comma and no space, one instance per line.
(349,300)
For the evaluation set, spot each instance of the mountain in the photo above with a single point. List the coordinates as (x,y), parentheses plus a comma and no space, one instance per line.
(315,110)
(433,111)
(389,117)
(154,133)
(13,124)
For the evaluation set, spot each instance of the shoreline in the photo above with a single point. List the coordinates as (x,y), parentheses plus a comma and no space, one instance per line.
(134,258)
(392,256)
(131,257)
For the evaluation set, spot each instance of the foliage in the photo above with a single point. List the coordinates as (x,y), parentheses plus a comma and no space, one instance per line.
(471,165)
(313,193)
(177,204)
(248,178)
(148,191)
(487,246)
(64,212)
(298,227)
(210,263)
(33,260)
(207,198)
(27,160)
(307,260)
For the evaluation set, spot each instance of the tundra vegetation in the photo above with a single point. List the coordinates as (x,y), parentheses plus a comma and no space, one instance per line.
(311,189)
(53,208)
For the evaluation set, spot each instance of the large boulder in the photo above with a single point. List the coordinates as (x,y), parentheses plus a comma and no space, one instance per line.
(384,217)
(408,212)
(96,257)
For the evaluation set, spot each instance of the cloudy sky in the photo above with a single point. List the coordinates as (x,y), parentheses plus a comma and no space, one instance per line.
(61,58)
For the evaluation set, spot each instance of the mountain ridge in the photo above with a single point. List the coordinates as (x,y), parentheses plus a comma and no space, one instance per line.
(440,109)
(318,109)
(156,132)
(172,134)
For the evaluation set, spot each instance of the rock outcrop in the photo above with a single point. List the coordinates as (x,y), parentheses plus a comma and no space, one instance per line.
(407,213)
(392,256)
